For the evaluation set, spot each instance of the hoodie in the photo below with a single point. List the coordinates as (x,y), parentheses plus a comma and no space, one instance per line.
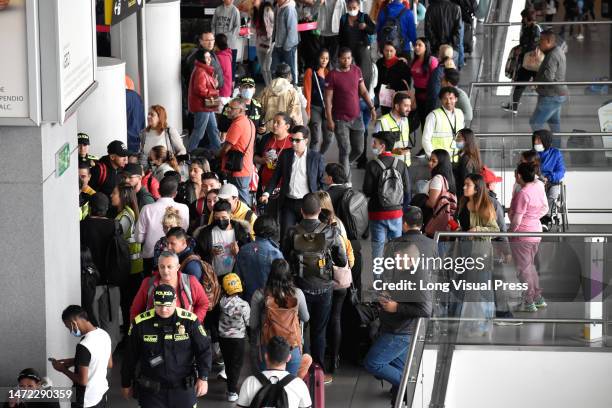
(281,96)
(234,317)
(285,26)
(407,25)
(226,20)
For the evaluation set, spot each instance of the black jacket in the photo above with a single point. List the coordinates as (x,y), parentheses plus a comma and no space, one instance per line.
(530,37)
(353,37)
(412,304)
(371,181)
(205,243)
(397,77)
(335,193)
(442,24)
(460,171)
(104,177)
(315,170)
(97,234)
(335,244)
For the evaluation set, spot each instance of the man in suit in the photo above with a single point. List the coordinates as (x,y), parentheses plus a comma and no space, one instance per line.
(301,171)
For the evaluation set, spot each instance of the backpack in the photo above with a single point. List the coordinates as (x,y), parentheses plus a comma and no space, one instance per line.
(186,288)
(311,255)
(281,321)
(512,63)
(390,185)
(117,262)
(353,212)
(391,31)
(209,280)
(271,395)
(443,212)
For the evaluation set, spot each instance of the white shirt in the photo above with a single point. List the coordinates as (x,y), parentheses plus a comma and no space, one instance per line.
(224,263)
(98,343)
(430,126)
(298,184)
(152,139)
(298,395)
(149,226)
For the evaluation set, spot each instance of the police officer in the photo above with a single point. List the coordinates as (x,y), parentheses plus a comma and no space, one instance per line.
(254,111)
(397,121)
(164,342)
(442,124)
(84,156)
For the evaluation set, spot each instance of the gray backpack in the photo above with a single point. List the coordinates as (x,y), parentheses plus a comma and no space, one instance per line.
(390,185)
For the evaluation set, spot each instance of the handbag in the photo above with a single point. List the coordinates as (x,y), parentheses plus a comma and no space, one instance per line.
(443,212)
(343,277)
(532,60)
(212,102)
(235,158)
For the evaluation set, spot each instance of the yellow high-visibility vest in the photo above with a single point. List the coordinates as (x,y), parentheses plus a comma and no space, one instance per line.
(388,124)
(444,132)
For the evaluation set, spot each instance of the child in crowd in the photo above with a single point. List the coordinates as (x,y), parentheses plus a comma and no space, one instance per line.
(234,317)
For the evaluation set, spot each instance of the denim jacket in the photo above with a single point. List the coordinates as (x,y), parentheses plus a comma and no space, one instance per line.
(253,264)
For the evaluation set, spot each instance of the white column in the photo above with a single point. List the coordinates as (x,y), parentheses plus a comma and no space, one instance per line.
(163,55)
(103,115)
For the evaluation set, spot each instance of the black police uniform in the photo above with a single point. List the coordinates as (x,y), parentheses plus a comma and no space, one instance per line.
(254,112)
(165,350)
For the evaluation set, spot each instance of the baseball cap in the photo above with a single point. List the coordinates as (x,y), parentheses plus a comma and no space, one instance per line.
(164,295)
(413,216)
(83,138)
(117,147)
(489,176)
(232,284)
(247,81)
(133,169)
(29,373)
(228,191)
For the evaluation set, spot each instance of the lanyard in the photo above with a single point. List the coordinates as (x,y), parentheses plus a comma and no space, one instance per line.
(453,127)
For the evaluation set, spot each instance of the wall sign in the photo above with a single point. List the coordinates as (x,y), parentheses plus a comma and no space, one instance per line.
(118,10)
(62,160)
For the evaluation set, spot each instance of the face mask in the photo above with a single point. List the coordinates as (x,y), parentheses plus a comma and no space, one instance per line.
(353,13)
(247,93)
(376,151)
(77,332)
(223,224)
(538,148)
(460,145)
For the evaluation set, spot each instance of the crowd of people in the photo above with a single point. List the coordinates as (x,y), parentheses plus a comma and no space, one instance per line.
(242,246)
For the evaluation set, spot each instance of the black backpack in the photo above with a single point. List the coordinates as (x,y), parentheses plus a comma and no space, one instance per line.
(353,212)
(271,395)
(118,265)
(390,185)
(391,31)
(311,255)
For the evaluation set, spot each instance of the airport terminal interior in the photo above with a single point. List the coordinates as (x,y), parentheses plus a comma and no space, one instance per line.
(553,356)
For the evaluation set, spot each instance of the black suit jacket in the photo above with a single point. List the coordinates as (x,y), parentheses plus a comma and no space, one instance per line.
(315,170)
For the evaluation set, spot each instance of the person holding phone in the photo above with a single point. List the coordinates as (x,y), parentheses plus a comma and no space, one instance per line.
(397,121)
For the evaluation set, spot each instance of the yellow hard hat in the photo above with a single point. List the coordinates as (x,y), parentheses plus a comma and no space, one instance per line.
(232,284)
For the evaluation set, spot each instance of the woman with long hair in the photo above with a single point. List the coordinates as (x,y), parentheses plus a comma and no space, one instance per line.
(159,133)
(162,161)
(393,73)
(123,198)
(190,190)
(469,157)
(279,293)
(422,68)
(314,91)
(263,22)
(476,214)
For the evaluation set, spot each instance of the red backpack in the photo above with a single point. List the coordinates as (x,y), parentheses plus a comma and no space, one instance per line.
(443,212)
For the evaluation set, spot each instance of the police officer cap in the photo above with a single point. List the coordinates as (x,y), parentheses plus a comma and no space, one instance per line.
(30,373)
(83,138)
(388,138)
(164,295)
(247,81)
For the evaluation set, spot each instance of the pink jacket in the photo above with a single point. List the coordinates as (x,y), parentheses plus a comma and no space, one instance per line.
(225,60)
(528,205)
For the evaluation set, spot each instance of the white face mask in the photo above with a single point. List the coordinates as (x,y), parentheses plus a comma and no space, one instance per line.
(353,13)
(376,151)
(538,148)
(247,93)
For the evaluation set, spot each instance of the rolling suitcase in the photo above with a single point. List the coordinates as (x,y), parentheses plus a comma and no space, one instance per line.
(315,380)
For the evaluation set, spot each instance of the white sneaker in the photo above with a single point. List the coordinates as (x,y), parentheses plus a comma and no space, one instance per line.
(222,375)
(231,396)
(580,37)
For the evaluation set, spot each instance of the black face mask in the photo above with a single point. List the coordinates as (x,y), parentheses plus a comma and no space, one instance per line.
(223,224)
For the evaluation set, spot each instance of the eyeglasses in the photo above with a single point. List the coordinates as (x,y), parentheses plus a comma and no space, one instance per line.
(294,140)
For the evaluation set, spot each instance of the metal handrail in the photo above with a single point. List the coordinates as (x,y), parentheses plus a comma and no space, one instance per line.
(590,210)
(485,135)
(515,319)
(532,83)
(547,23)
(417,336)
(438,234)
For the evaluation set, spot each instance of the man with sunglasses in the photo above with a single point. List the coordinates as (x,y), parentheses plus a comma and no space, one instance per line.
(301,171)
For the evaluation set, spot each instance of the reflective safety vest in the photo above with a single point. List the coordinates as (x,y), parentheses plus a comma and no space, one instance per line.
(444,132)
(388,124)
(133,246)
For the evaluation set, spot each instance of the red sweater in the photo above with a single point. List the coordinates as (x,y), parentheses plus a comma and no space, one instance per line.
(200,300)
(202,85)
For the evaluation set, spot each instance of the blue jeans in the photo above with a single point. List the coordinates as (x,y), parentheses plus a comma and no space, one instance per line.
(548,110)
(242,184)
(387,357)
(204,122)
(279,56)
(319,308)
(382,231)
(292,366)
